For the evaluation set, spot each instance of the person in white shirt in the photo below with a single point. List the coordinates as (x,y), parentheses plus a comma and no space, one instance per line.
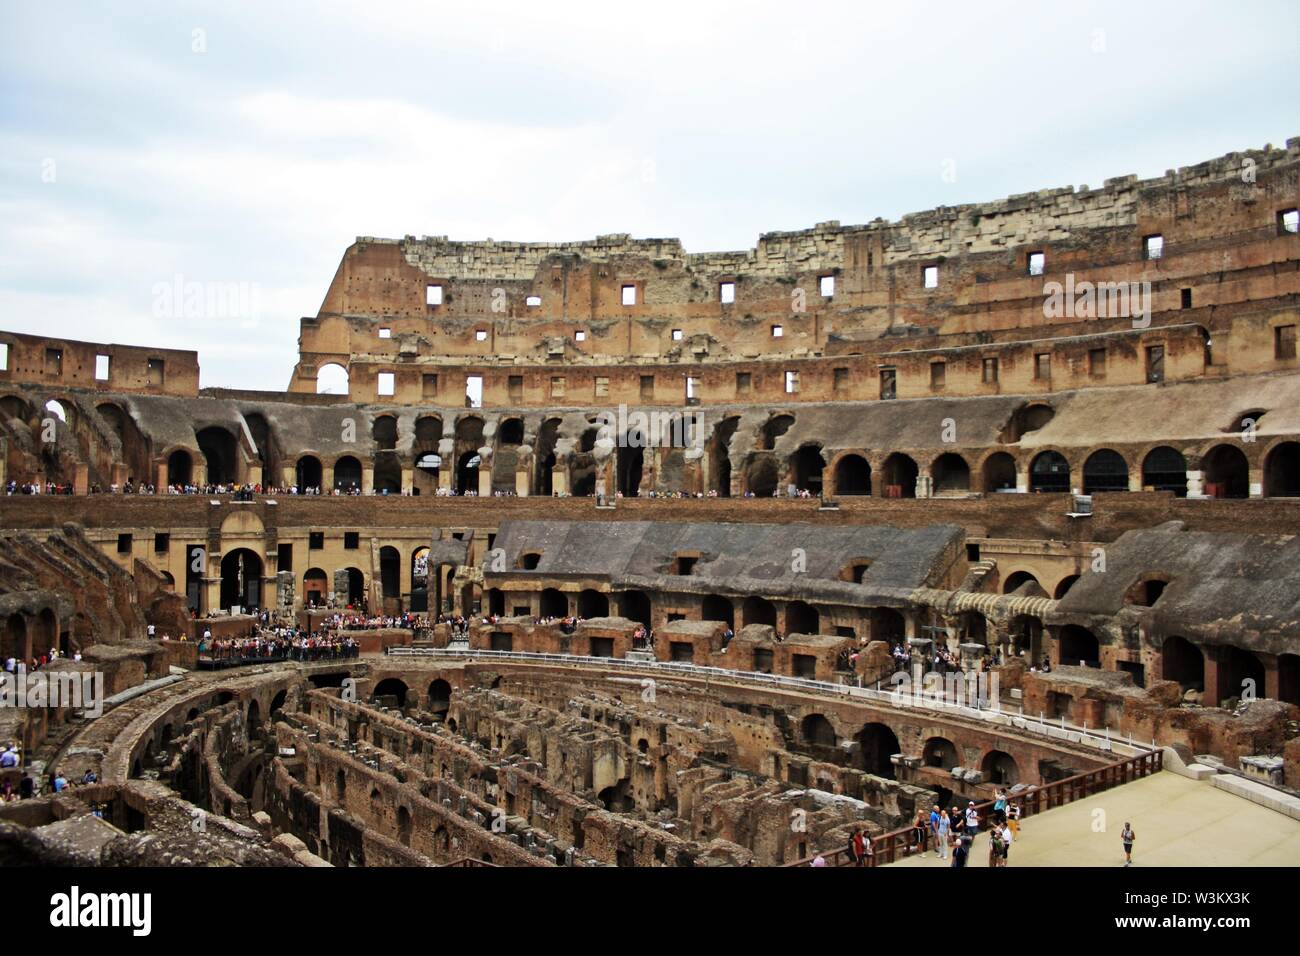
(1007,837)
(972,819)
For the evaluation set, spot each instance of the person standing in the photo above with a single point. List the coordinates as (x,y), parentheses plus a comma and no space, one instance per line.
(972,820)
(960,852)
(857,852)
(942,834)
(1128,836)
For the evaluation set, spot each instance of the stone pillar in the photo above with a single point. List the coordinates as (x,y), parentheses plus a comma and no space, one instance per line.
(367,479)
(408,479)
(284,590)
(326,478)
(1022,477)
(1195,488)
(924,486)
(254,474)
(1257,482)
(339,595)
(522,483)
(919,646)
(444,475)
(81,478)
(1270,689)
(1135,478)
(559,480)
(289,476)
(1215,678)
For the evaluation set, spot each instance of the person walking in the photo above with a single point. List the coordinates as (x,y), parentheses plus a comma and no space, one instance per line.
(1127,837)
(856,851)
(918,833)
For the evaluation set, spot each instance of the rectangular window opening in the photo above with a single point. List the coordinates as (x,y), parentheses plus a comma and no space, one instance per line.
(827,286)
(1187,298)
(1097,362)
(727,292)
(1037,261)
(990,371)
(103,363)
(387,383)
(930,277)
(778,331)
(533,301)
(385,333)
(1284,342)
(433,295)
(938,374)
(629,295)
(473,391)
(1288,221)
(1153,247)
(888,383)
(791,383)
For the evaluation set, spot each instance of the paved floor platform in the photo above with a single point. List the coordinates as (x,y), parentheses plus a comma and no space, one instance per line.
(1178,822)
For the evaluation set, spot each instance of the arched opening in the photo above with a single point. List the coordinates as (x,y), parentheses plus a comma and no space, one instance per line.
(496,599)
(392,688)
(420,580)
(1063,588)
(887,625)
(720,457)
(1241,673)
(1026,419)
(1282,471)
(807,466)
(1019,579)
(852,476)
(254,717)
(1182,661)
(332,379)
(774,428)
(439,697)
(512,432)
(384,433)
(950,474)
(55,408)
(347,474)
(1105,470)
(816,731)
(315,587)
(390,572)
(757,610)
(1000,768)
(404,826)
(939,752)
(241,579)
(15,638)
(900,473)
(308,472)
(180,468)
(999,473)
(467,472)
(1226,472)
(877,743)
(45,636)
(715,607)
(356,587)
(629,463)
(1165,469)
(1079,646)
(1049,473)
(545,457)
(636,607)
(388,473)
(554,603)
(593,604)
(218,448)
(762,475)
(277,702)
(802,618)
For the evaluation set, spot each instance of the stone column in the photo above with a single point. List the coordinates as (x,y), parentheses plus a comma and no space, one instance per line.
(367,478)
(1215,678)
(408,479)
(1022,477)
(924,486)
(1271,688)
(1257,482)
(1195,488)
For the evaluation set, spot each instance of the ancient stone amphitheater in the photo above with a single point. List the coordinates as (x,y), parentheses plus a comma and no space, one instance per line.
(692,507)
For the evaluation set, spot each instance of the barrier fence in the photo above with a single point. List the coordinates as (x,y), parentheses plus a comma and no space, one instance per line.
(890,847)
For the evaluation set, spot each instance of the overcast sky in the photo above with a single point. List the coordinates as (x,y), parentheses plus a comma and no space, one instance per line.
(251,143)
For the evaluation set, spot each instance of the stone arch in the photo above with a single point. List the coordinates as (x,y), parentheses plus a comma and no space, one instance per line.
(439,696)
(241,579)
(807,467)
(816,731)
(1016,580)
(383,431)
(774,428)
(332,379)
(899,472)
(1105,470)
(315,586)
(511,432)
(720,457)
(852,475)
(308,472)
(15,638)
(877,743)
(180,467)
(392,687)
(940,752)
(949,474)
(221,452)
(1063,586)
(1226,472)
(762,476)
(1000,768)
(888,625)
(347,473)
(390,572)
(1049,473)
(1282,471)
(1239,670)
(999,472)
(1029,417)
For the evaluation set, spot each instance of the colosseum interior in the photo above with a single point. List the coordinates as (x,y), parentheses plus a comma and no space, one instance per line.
(604,553)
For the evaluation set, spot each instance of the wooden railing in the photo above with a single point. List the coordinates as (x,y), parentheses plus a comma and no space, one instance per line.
(889,847)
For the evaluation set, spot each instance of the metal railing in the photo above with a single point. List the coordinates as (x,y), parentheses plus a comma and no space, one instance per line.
(889,847)
(1058,731)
